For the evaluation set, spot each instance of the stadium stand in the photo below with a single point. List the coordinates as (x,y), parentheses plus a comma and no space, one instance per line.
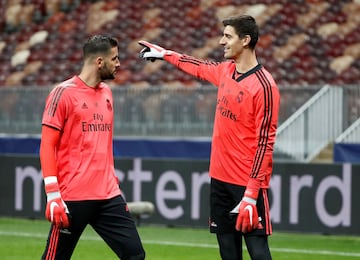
(306,44)
(40,43)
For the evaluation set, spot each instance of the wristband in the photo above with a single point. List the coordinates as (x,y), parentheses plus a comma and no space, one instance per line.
(51,184)
(252,189)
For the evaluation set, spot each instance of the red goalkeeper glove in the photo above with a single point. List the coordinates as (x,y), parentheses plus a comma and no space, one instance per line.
(152,52)
(248,218)
(56,209)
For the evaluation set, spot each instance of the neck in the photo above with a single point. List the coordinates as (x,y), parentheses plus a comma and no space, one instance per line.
(246,62)
(88,78)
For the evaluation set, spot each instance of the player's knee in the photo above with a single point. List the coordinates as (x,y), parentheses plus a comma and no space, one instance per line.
(260,256)
(229,246)
(258,248)
(140,256)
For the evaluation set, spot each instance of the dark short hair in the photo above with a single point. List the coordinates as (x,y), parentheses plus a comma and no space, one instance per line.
(244,25)
(98,44)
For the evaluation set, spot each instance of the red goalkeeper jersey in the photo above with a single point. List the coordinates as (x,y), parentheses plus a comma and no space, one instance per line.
(246,119)
(84,155)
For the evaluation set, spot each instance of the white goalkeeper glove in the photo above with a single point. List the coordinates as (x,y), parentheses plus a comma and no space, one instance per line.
(152,52)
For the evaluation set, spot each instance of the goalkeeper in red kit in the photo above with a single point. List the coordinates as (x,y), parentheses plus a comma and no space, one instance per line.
(246,119)
(77,161)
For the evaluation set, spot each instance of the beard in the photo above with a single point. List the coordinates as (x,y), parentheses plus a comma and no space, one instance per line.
(105,73)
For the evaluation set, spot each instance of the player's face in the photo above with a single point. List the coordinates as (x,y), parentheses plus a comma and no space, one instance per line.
(233,45)
(111,65)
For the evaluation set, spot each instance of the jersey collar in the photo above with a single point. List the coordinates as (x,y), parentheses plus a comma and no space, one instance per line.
(253,70)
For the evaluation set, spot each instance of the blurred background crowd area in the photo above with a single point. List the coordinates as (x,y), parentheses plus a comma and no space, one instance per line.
(302,42)
(305,44)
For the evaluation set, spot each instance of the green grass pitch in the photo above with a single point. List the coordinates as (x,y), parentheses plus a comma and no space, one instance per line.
(25,239)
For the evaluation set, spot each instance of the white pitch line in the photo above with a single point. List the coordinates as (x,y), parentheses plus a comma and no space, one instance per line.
(274,249)
(173,243)
(314,252)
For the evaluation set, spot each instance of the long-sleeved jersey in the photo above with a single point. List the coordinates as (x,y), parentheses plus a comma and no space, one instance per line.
(246,119)
(84,154)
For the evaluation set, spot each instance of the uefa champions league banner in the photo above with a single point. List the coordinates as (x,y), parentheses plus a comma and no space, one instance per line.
(320,198)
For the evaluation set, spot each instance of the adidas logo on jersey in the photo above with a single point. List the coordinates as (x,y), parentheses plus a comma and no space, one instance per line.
(84,106)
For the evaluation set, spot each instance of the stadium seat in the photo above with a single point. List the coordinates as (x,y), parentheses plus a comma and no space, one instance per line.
(315,34)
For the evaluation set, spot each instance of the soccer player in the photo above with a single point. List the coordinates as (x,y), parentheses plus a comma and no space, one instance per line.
(77,162)
(244,133)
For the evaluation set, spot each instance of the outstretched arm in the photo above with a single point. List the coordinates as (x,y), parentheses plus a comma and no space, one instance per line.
(205,70)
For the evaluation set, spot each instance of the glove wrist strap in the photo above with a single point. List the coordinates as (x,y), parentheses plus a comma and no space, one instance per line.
(51,184)
(168,53)
(249,200)
(53,195)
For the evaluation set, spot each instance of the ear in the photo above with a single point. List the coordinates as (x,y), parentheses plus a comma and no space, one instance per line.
(246,40)
(99,61)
